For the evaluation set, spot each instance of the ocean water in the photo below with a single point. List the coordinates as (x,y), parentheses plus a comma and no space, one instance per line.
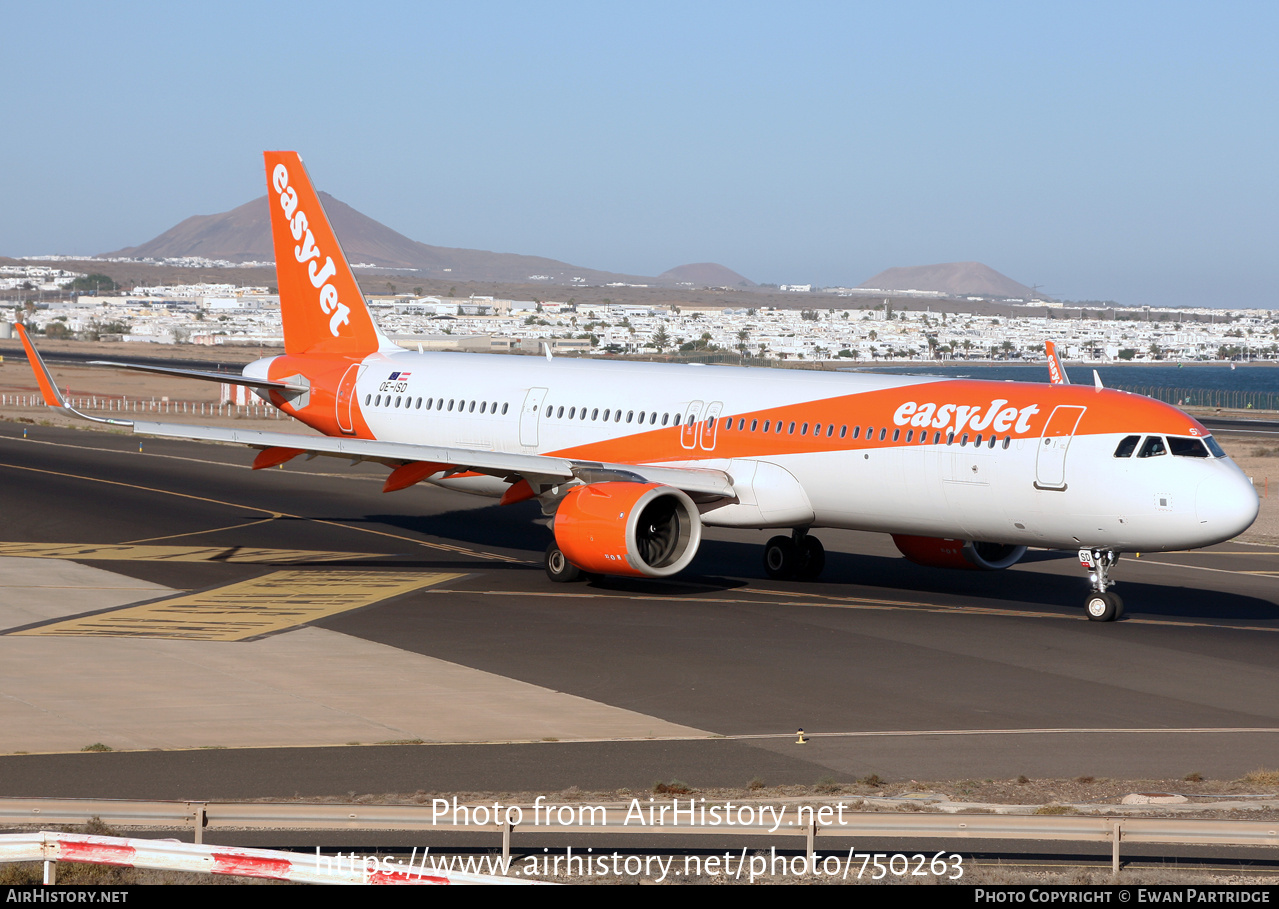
(1249,385)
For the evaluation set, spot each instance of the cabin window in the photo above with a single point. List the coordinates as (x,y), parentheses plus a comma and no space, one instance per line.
(1153,448)
(504,406)
(617,416)
(993,440)
(728,422)
(950,438)
(419,404)
(830,430)
(754,425)
(857,431)
(641,416)
(963,441)
(843,431)
(883,432)
(767,423)
(817,429)
(741,424)
(897,434)
(910,435)
(606,413)
(977,441)
(665,418)
(804,430)
(792,428)
(367,399)
(1007,441)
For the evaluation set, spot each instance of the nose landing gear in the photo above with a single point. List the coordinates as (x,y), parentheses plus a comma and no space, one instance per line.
(1101,605)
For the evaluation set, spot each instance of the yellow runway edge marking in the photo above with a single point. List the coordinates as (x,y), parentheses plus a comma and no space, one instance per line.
(133,552)
(249,609)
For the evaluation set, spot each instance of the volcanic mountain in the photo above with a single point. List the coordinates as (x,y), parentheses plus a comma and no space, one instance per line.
(244,235)
(704,274)
(955,278)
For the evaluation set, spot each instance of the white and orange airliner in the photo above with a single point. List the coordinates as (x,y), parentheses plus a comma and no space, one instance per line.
(633,459)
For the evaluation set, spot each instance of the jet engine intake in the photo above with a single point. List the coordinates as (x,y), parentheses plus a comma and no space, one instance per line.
(936,552)
(633,529)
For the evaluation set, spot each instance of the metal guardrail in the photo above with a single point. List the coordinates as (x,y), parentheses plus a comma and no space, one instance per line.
(809,820)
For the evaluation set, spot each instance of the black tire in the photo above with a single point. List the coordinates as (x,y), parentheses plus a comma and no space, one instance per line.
(812,559)
(1103,607)
(558,567)
(781,558)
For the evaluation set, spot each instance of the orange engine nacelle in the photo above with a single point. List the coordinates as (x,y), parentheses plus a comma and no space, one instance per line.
(635,529)
(938,553)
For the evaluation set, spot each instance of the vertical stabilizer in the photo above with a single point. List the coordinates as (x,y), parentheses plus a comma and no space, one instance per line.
(1056,372)
(320,302)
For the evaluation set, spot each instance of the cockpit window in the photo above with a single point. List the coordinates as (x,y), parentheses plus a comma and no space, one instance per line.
(1127,446)
(1217,451)
(1153,448)
(1186,448)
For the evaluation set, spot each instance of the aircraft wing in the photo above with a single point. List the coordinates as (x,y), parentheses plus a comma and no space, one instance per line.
(411,462)
(508,465)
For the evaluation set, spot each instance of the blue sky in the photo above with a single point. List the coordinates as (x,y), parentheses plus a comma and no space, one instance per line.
(1120,151)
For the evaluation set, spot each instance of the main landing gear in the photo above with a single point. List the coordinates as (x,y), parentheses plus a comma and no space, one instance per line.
(558,567)
(1102,605)
(797,556)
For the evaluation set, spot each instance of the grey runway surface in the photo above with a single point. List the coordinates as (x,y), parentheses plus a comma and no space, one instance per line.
(895,670)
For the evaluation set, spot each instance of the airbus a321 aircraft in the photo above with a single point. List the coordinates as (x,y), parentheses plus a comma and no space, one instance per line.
(632,459)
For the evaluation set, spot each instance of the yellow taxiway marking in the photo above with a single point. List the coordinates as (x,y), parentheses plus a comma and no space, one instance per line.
(134,552)
(249,609)
(443,547)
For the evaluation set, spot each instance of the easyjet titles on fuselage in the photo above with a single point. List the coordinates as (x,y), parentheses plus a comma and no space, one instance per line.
(958,417)
(309,252)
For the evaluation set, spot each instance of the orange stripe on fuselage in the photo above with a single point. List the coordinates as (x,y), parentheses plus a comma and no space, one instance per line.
(1015,409)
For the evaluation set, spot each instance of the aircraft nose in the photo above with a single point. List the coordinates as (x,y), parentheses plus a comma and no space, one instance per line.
(1226,504)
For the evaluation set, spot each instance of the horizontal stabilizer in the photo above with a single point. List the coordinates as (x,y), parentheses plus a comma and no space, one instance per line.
(228,378)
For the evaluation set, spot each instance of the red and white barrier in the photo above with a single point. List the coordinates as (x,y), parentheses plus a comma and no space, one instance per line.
(170,855)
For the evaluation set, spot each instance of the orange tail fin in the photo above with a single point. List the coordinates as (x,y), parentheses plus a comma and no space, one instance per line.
(320,301)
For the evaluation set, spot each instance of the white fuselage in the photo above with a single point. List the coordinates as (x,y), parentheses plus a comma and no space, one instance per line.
(1029,481)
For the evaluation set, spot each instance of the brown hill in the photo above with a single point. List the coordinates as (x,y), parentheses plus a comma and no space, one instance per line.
(704,274)
(244,235)
(956,278)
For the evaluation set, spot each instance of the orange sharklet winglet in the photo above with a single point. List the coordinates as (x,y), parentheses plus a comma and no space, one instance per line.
(47,389)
